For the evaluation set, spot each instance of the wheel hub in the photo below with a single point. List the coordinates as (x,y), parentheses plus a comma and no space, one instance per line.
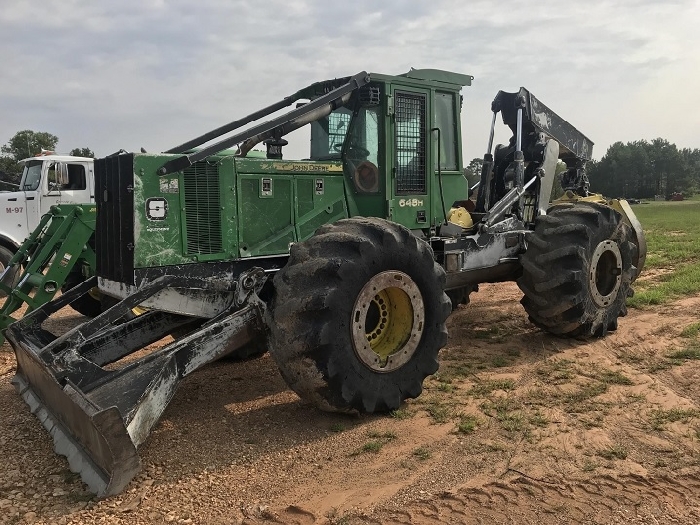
(387,321)
(605,273)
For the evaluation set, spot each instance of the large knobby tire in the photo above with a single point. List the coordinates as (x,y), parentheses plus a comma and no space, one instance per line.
(89,304)
(358,316)
(577,270)
(11,278)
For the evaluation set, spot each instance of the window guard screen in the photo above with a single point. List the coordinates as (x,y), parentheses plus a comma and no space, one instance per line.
(410,110)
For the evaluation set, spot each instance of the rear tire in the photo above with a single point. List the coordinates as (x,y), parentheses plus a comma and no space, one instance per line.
(11,278)
(577,270)
(358,316)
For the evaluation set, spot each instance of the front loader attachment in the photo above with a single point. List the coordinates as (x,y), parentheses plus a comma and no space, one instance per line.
(60,241)
(96,398)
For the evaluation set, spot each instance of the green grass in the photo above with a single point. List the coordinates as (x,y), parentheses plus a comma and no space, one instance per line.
(438,411)
(613,452)
(422,453)
(691,331)
(467,424)
(486,387)
(672,233)
(659,418)
(689,353)
(377,441)
(613,377)
(401,413)
(587,392)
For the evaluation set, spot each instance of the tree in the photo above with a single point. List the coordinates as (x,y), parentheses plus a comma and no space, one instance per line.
(28,143)
(82,152)
(473,171)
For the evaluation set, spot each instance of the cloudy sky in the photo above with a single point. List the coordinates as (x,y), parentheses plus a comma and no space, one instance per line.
(153,73)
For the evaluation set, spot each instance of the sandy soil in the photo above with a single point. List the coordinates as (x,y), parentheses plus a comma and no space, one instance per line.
(517,427)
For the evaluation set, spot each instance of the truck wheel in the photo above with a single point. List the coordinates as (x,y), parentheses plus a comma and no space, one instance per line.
(577,270)
(11,278)
(358,316)
(89,304)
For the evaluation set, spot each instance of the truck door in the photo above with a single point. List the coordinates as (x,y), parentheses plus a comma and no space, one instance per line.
(65,183)
(409,203)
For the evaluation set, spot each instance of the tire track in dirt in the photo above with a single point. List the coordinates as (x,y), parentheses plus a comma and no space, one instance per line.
(522,500)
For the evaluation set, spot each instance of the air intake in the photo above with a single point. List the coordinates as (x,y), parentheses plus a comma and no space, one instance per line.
(203,209)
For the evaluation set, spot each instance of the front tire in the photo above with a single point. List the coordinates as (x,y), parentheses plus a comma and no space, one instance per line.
(577,270)
(358,316)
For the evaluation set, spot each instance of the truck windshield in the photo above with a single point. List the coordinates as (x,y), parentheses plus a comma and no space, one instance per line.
(31,175)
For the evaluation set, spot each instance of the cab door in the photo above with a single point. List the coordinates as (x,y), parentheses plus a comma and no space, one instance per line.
(409,202)
(65,183)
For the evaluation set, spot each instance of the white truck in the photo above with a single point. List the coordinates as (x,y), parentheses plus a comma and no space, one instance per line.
(47,179)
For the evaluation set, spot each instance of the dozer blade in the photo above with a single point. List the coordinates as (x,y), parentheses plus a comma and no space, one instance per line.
(99,415)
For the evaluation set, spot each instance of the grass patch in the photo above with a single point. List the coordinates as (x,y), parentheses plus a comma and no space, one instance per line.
(439,412)
(689,353)
(387,436)
(679,251)
(613,452)
(691,331)
(377,441)
(538,419)
(486,387)
(556,371)
(422,453)
(337,427)
(467,424)
(444,386)
(401,413)
(589,466)
(613,377)
(494,333)
(658,418)
(451,370)
(587,392)
(506,412)
(512,421)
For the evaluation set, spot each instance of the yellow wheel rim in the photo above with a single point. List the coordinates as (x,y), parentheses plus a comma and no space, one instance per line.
(388,320)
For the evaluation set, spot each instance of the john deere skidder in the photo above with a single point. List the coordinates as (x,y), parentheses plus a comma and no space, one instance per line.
(344,265)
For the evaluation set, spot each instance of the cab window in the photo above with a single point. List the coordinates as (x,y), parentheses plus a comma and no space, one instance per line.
(445,120)
(75,177)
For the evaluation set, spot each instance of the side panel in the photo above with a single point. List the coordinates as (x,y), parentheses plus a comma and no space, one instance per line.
(265,205)
(280,202)
(319,200)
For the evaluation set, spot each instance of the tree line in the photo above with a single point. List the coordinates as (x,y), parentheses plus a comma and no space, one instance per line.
(644,170)
(28,143)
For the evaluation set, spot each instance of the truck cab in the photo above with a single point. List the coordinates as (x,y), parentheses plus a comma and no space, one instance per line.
(46,180)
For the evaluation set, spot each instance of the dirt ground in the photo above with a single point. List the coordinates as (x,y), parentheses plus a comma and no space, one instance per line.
(517,427)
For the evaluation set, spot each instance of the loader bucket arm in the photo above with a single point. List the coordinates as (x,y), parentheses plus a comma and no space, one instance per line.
(58,243)
(98,415)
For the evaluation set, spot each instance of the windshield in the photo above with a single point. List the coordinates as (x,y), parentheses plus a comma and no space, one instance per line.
(31,176)
(328,134)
